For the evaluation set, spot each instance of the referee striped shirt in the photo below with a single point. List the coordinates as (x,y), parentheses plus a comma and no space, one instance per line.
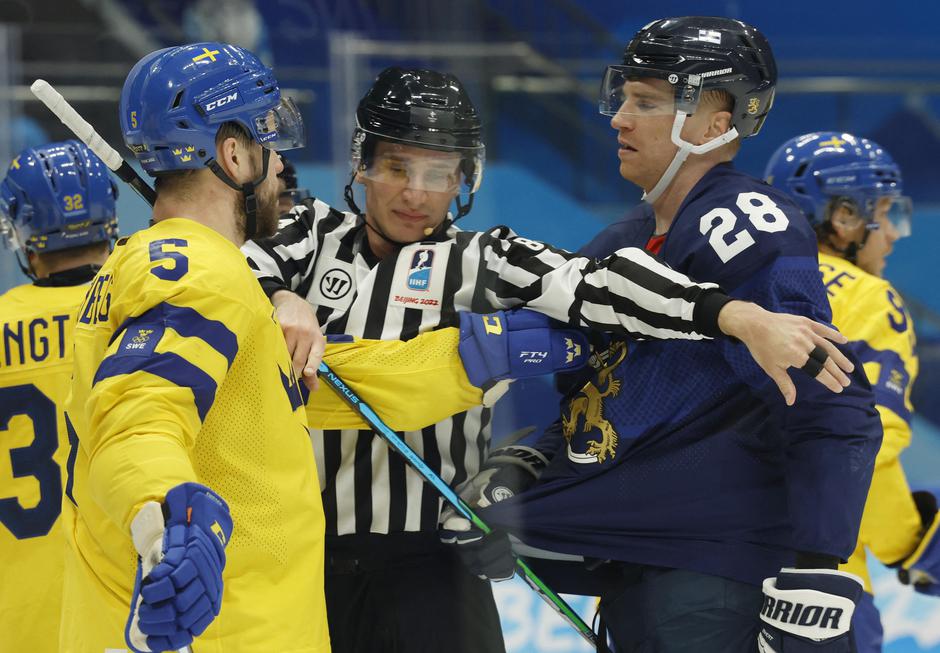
(322,254)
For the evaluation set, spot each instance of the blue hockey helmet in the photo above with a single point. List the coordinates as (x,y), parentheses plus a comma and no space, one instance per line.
(56,197)
(174,101)
(821,168)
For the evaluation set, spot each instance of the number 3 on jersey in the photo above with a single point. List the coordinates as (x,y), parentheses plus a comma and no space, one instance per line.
(760,210)
(35,459)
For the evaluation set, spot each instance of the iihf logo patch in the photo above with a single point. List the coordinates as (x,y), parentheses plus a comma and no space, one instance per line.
(419,272)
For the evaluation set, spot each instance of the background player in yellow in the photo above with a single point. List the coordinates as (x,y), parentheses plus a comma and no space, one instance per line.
(57,208)
(188,440)
(851,191)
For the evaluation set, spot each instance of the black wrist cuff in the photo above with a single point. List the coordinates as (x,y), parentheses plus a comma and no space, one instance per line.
(705,315)
(271,286)
(807,560)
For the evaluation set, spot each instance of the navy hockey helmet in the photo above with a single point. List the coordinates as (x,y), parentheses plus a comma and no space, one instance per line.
(423,109)
(694,54)
(821,169)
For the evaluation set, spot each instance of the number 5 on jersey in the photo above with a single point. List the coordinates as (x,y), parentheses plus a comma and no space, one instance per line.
(180,264)
(763,213)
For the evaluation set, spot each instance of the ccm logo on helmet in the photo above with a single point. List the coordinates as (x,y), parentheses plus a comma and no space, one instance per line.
(221,101)
(799,614)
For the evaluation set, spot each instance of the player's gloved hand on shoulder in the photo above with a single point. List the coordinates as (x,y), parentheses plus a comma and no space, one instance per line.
(487,555)
(808,611)
(922,568)
(508,345)
(178,588)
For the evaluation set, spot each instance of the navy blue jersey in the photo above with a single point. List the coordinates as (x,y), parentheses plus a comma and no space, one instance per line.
(684,454)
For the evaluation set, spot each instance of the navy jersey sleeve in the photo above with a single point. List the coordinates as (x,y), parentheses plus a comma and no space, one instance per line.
(760,247)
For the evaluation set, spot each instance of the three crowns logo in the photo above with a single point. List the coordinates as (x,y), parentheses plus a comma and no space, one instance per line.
(572,350)
(178,151)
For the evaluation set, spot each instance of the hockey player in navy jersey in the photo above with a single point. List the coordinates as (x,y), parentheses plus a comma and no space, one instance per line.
(680,465)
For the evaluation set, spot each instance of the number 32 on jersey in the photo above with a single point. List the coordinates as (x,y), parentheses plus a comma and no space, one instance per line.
(719,224)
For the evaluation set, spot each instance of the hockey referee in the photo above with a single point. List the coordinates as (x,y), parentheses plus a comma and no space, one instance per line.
(402,267)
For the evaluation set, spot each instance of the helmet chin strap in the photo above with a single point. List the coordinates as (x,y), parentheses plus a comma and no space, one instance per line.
(850,252)
(247,190)
(685,149)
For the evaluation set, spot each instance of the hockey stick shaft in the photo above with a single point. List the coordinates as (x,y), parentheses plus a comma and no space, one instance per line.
(429,475)
(87,134)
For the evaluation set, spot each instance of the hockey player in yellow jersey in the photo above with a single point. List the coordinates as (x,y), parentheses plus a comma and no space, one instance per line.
(189,456)
(851,191)
(57,209)
(189,453)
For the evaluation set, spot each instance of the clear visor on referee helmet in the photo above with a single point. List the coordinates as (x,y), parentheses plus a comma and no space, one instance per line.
(416,166)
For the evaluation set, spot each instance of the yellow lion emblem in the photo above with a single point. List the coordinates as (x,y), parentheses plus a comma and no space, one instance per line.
(589,404)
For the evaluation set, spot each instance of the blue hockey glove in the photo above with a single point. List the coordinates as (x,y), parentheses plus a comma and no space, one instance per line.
(809,611)
(922,568)
(178,588)
(517,344)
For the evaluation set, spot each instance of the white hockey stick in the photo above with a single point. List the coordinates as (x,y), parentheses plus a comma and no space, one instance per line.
(87,134)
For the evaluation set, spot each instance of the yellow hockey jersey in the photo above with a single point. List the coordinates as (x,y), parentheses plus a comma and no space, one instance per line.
(181,374)
(872,316)
(36,326)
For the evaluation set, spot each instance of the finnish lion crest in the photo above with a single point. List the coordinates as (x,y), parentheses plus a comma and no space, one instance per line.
(587,407)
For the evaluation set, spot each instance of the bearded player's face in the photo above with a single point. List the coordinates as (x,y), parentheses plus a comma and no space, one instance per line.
(267,194)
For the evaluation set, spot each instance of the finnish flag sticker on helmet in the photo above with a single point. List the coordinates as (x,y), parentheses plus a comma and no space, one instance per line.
(709,36)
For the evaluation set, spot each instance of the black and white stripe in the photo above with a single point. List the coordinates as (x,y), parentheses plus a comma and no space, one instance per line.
(366,489)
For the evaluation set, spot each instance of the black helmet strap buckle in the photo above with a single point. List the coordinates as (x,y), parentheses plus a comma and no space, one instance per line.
(247,190)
